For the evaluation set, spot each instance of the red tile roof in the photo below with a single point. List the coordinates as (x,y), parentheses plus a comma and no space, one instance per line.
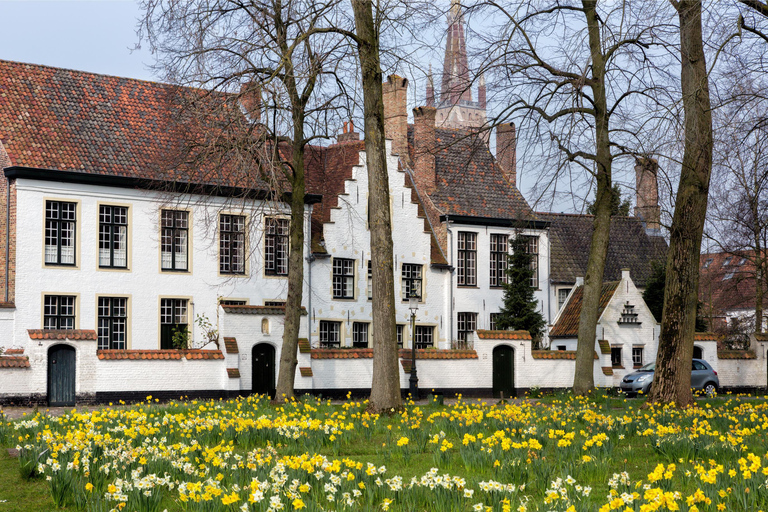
(736,354)
(555,354)
(13,351)
(159,354)
(727,281)
(61,334)
(306,371)
(233,373)
(438,354)
(567,325)
(14,362)
(607,370)
(258,310)
(503,335)
(304,347)
(706,336)
(230,344)
(605,347)
(342,353)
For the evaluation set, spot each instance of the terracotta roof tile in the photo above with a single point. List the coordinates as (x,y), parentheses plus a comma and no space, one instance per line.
(629,247)
(736,354)
(304,347)
(761,336)
(61,334)
(342,353)
(230,344)
(233,373)
(306,371)
(13,351)
(727,285)
(567,325)
(158,354)
(607,370)
(438,354)
(258,310)
(706,336)
(14,362)
(605,347)
(555,354)
(503,335)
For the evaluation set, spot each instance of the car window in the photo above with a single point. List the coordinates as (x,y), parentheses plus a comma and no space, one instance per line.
(697,365)
(648,368)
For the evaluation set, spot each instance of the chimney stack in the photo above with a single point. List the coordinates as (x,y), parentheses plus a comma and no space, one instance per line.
(396,114)
(481,99)
(506,151)
(348,133)
(647,199)
(424,148)
(430,88)
(250,99)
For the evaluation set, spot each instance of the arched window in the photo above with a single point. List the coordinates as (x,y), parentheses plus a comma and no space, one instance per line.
(698,353)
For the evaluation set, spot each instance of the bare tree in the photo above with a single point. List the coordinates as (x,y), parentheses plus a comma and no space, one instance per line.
(672,383)
(274,57)
(577,73)
(385,387)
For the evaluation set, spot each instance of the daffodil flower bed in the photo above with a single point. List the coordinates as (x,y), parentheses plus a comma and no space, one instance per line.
(575,455)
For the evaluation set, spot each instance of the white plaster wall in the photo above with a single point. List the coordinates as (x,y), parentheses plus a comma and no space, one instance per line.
(7,320)
(144,283)
(482,299)
(347,236)
(154,375)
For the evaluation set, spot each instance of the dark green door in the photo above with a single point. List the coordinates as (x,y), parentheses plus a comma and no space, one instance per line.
(61,376)
(503,371)
(263,370)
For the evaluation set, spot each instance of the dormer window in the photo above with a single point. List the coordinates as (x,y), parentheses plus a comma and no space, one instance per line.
(629,315)
(727,261)
(708,262)
(742,261)
(729,275)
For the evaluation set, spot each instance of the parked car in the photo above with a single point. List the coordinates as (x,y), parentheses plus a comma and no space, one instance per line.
(703,378)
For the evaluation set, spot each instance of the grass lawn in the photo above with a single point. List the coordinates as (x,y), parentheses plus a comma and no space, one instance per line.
(556,454)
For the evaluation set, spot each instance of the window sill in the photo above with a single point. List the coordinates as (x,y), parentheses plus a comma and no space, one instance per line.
(61,265)
(174,271)
(114,269)
(346,299)
(615,367)
(470,286)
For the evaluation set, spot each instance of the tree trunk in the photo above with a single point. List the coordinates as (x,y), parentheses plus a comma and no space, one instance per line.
(672,380)
(287,372)
(583,378)
(385,386)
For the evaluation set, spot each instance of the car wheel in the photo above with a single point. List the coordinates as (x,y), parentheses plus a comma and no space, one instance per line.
(710,389)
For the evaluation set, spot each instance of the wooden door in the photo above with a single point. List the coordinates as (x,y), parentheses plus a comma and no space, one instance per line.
(503,371)
(61,376)
(263,370)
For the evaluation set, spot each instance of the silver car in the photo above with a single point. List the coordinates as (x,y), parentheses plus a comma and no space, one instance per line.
(703,378)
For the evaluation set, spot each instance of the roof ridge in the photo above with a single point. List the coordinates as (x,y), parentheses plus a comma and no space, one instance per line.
(81,71)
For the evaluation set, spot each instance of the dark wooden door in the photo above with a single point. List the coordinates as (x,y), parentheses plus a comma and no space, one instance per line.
(61,376)
(503,371)
(263,370)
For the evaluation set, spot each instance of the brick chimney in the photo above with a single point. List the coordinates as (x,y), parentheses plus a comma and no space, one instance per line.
(647,200)
(506,151)
(250,99)
(396,114)
(481,92)
(348,133)
(424,148)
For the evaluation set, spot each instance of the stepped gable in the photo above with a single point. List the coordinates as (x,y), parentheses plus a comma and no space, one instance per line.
(567,325)
(469,182)
(66,120)
(629,247)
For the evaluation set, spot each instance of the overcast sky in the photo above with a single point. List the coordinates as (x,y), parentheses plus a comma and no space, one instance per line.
(95,35)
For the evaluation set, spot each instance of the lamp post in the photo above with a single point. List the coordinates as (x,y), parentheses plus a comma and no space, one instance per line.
(413,306)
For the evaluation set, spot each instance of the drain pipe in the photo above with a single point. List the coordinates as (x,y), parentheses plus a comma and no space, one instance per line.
(309,260)
(7,237)
(450,281)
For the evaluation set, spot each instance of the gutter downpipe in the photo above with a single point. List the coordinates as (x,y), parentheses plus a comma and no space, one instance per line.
(7,237)
(309,259)
(450,281)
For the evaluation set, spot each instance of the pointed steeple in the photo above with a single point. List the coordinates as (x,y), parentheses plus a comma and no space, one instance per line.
(430,88)
(456,82)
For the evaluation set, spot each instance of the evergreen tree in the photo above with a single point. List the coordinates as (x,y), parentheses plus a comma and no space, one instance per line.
(520,309)
(619,205)
(654,295)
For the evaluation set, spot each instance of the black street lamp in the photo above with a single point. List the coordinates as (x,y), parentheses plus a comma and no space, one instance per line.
(413,306)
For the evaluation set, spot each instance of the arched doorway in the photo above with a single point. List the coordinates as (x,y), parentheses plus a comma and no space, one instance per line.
(263,370)
(61,376)
(503,371)
(697,352)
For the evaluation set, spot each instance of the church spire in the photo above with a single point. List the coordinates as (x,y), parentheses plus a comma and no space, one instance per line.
(456,81)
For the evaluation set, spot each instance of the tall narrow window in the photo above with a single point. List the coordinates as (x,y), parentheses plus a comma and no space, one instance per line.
(343,278)
(562,296)
(532,248)
(60,233)
(499,258)
(411,281)
(330,334)
(400,333)
(616,357)
(113,323)
(422,336)
(637,356)
(494,321)
(467,323)
(113,236)
(59,312)
(360,335)
(174,240)
(276,247)
(370,281)
(173,319)
(232,244)
(467,259)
